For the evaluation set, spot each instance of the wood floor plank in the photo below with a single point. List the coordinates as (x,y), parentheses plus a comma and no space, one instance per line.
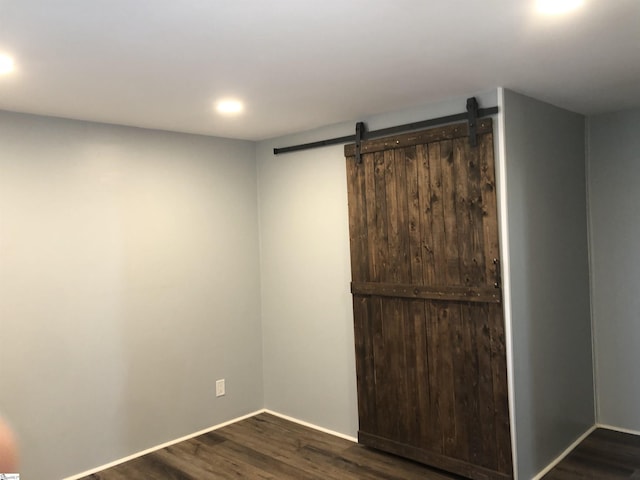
(603,455)
(266,447)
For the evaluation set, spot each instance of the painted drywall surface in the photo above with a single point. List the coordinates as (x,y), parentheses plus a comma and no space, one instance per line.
(129,283)
(309,366)
(614,199)
(309,359)
(551,326)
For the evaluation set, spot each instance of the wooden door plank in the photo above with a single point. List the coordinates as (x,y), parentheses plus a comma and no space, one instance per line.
(421,382)
(429,176)
(410,379)
(387,383)
(414,210)
(461,418)
(476,215)
(400,341)
(452,255)
(486,404)
(433,208)
(446,386)
(404,158)
(462,215)
(392,217)
(428,292)
(436,381)
(383,399)
(444,132)
(489,207)
(357,220)
(365,368)
(369,167)
(451,464)
(381,247)
(472,388)
(500,392)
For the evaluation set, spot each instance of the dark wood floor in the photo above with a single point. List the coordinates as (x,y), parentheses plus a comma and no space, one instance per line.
(603,455)
(268,447)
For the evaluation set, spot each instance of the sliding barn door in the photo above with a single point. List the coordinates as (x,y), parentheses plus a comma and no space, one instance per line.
(430,342)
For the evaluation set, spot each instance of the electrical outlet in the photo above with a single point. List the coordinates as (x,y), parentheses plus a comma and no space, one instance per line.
(220,391)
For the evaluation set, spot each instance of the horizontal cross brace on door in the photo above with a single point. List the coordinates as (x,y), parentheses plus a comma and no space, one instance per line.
(446,293)
(472,114)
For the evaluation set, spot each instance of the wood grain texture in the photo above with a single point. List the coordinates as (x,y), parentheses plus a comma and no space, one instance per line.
(445,132)
(431,359)
(268,447)
(603,455)
(466,293)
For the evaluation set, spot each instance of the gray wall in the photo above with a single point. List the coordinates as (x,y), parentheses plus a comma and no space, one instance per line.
(128,285)
(614,201)
(551,326)
(309,358)
(130,280)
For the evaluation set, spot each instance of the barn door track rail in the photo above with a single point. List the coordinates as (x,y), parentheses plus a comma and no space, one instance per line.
(472,115)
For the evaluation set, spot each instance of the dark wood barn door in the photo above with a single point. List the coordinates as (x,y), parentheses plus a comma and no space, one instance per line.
(430,342)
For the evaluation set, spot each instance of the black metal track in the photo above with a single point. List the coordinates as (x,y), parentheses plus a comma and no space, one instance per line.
(383,132)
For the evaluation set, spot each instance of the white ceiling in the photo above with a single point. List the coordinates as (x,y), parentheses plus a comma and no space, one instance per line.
(299,64)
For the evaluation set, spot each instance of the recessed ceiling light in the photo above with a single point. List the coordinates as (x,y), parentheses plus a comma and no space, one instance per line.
(229,107)
(6,64)
(558,7)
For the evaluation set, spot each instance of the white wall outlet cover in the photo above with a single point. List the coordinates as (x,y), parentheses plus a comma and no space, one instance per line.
(220,390)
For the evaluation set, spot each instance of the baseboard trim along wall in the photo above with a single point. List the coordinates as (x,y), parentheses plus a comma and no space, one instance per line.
(565,453)
(330,432)
(311,425)
(164,445)
(207,430)
(618,429)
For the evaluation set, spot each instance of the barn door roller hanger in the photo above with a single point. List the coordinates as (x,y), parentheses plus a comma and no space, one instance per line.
(472,115)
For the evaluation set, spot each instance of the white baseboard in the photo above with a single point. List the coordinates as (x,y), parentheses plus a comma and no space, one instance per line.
(618,429)
(330,432)
(158,447)
(311,425)
(207,430)
(565,453)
